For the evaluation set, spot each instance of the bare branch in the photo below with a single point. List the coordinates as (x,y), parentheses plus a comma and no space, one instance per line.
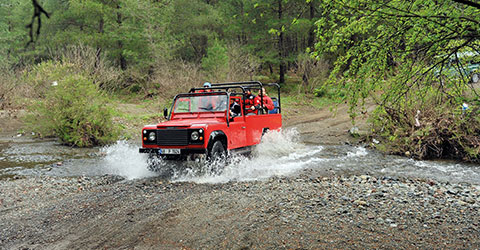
(37,12)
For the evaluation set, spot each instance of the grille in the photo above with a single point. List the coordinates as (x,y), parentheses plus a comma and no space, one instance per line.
(172,137)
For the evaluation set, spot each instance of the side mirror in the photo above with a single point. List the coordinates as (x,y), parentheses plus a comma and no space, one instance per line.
(165,113)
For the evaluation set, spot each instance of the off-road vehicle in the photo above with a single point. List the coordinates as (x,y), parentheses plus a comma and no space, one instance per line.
(212,122)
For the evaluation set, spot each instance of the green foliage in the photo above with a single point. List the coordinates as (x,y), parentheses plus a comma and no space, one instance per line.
(74,111)
(393,53)
(404,41)
(40,77)
(138,37)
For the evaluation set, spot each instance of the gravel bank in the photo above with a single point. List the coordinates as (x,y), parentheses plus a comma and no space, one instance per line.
(281,213)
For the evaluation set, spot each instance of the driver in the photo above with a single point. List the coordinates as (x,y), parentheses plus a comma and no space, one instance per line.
(235,109)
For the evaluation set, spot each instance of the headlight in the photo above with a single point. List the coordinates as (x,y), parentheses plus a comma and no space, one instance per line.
(151,136)
(195,135)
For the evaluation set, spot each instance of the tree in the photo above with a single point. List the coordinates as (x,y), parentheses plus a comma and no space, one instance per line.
(216,61)
(274,30)
(398,53)
(403,41)
(193,24)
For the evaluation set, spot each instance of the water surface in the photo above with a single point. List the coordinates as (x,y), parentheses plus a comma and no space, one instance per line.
(280,154)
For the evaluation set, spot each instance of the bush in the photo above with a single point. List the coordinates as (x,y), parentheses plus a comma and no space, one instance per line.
(314,73)
(434,129)
(76,112)
(242,65)
(171,78)
(40,77)
(86,60)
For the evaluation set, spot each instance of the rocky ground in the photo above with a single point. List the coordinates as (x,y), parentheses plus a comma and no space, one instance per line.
(308,210)
(300,212)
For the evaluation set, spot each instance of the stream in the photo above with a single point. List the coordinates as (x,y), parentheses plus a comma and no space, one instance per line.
(280,154)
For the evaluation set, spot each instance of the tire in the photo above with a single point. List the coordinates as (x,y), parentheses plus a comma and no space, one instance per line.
(217,158)
(218,151)
(475,78)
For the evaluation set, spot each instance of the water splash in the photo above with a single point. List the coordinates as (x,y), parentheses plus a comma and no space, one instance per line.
(279,154)
(360,152)
(124,160)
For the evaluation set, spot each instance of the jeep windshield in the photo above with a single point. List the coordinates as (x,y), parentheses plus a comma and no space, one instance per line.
(201,103)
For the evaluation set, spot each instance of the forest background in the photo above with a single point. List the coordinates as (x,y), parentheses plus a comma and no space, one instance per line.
(72,63)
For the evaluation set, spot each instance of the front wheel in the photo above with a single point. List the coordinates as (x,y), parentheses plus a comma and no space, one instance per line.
(218,151)
(217,157)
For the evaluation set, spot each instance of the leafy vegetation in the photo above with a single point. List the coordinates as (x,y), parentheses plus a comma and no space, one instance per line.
(395,53)
(73,109)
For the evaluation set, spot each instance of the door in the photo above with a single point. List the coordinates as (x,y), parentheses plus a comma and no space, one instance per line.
(238,136)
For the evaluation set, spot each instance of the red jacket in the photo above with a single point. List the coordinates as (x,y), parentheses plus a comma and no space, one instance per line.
(250,101)
(267,102)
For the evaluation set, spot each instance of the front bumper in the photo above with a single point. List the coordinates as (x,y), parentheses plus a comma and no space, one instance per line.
(183,151)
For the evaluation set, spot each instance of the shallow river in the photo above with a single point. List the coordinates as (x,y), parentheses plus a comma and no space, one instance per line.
(278,155)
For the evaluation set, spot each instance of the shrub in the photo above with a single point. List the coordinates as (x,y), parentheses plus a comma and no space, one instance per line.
(9,88)
(314,73)
(76,112)
(432,129)
(242,65)
(40,77)
(86,60)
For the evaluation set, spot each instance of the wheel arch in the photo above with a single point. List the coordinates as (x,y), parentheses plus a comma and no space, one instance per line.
(217,135)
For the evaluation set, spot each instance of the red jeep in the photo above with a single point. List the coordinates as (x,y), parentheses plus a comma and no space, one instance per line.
(213,122)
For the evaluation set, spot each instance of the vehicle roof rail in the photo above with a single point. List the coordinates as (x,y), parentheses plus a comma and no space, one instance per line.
(238,83)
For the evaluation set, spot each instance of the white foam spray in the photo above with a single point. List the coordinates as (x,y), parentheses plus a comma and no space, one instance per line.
(279,154)
(123,159)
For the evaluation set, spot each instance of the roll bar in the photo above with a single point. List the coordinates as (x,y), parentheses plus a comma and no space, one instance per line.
(226,86)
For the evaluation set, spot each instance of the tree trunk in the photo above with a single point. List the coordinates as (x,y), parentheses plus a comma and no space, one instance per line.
(281,54)
(311,32)
(121,58)
(99,49)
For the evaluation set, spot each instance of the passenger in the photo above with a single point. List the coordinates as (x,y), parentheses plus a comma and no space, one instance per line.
(267,101)
(235,109)
(206,85)
(251,102)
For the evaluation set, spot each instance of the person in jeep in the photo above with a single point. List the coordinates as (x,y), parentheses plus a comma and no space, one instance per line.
(250,102)
(210,102)
(267,101)
(235,109)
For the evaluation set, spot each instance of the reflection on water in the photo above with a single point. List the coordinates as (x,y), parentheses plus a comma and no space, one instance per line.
(279,154)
